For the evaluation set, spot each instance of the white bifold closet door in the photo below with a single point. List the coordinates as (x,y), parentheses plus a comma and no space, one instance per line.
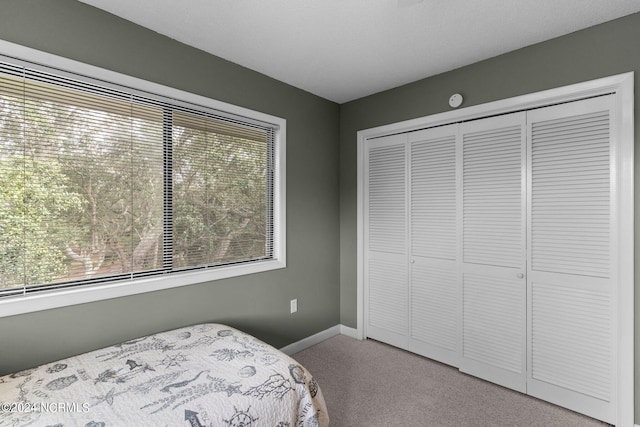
(572,245)
(433,289)
(492,245)
(492,270)
(412,296)
(386,270)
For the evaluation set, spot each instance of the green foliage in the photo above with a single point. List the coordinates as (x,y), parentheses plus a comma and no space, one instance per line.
(34,199)
(219,198)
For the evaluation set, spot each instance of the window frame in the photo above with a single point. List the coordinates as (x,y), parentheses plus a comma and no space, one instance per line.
(56,298)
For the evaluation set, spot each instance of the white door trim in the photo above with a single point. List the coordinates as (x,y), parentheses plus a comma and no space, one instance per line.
(622,86)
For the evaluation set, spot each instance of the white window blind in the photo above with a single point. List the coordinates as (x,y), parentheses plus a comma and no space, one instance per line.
(99,183)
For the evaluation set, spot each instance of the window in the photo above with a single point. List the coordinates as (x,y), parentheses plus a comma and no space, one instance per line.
(102,184)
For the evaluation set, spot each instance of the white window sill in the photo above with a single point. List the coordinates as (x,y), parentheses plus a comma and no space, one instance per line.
(11,306)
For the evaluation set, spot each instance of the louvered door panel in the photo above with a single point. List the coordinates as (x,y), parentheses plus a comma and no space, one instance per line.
(493,340)
(386,245)
(493,321)
(434,291)
(388,294)
(387,192)
(434,302)
(572,293)
(571,338)
(570,195)
(433,193)
(492,165)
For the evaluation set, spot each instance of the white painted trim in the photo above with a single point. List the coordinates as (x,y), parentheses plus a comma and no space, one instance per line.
(60,298)
(523,102)
(314,339)
(626,256)
(349,332)
(11,306)
(622,86)
(361,333)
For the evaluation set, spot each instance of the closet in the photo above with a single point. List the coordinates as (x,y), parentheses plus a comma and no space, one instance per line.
(492,245)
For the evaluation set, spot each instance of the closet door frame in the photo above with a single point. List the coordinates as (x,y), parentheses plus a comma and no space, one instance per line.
(621,86)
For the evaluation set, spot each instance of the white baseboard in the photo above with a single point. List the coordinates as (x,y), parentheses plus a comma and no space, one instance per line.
(312,340)
(318,338)
(350,332)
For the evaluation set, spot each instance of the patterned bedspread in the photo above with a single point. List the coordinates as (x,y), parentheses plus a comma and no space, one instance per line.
(203,375)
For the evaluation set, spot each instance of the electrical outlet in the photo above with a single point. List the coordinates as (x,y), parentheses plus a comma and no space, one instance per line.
(294,305)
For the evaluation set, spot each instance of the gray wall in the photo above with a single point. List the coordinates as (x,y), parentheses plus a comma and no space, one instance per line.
(321,209)
(600,51)
(256,303)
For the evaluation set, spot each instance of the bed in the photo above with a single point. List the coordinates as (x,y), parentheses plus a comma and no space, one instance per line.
(202,375)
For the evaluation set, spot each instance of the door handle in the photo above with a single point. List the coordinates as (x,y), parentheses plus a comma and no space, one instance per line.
(520,276)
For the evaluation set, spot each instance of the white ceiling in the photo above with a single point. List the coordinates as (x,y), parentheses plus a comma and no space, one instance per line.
(346,49)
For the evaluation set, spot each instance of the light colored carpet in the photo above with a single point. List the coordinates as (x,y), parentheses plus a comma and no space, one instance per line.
(367,383)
